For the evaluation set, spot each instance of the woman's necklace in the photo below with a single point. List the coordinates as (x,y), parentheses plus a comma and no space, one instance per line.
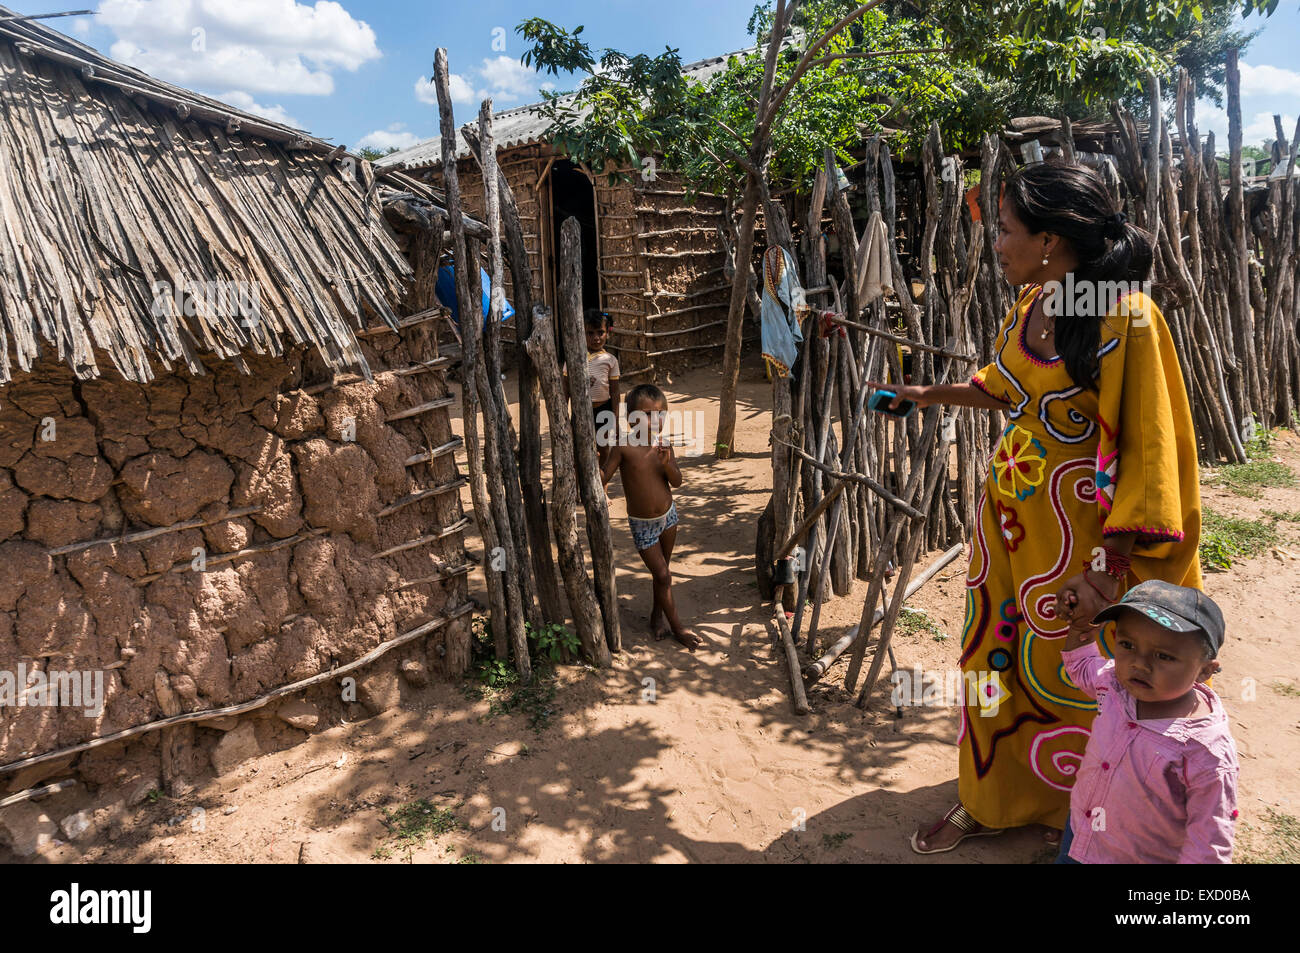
(1047,332)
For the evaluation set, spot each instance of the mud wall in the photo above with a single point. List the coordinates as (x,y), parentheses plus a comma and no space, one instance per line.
(221,613)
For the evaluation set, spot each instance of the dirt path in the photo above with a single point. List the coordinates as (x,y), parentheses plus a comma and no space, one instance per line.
(711,765)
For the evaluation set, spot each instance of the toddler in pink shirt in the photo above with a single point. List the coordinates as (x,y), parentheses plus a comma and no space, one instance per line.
(1158,781)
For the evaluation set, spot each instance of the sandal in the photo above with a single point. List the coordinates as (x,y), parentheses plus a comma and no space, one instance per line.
(960,820)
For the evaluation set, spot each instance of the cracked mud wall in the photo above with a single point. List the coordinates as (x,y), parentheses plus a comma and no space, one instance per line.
(86,460)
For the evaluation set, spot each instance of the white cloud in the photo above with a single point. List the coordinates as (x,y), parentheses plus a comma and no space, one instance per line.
(461,90)
(81,27)
(275,46)
(507,81)
(1256,129)
(242,100)
(385,139)
(1269,81)
(507,78)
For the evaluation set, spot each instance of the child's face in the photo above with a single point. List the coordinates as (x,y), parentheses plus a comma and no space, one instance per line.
(596,337)
(1155,664)
(647,419)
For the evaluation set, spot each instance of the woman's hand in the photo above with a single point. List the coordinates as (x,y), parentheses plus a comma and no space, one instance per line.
(919,393)
(1078,599)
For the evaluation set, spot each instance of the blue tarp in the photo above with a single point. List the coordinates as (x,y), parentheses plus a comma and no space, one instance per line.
(446,291)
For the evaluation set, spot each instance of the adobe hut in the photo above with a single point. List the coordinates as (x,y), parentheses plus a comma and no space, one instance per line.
(213,508)
(652,261)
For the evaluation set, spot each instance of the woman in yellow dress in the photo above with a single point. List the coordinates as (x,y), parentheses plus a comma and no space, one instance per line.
(1091,489)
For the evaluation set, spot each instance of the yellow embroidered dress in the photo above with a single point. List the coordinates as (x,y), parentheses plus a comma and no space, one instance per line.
(1072,467)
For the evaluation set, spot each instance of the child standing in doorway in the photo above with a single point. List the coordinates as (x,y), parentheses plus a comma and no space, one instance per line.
(645,460)
(602,382)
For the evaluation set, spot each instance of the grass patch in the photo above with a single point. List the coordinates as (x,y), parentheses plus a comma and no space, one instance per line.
(1283,516)
(1225,538)
(1248,479)
(914,622)
(535,700)
(496,680)
(1276,842)
(1285,688)
(410,825)
(835,841)
(470,858)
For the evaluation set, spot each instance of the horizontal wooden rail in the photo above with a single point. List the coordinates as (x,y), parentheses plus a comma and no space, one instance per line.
(211,713)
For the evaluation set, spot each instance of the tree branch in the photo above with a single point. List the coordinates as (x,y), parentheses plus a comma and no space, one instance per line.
(769,113)
(874,53)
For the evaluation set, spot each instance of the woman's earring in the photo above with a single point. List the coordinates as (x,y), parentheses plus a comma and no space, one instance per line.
(1044,259)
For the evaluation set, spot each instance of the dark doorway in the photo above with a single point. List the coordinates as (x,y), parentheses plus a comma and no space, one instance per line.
(573,196)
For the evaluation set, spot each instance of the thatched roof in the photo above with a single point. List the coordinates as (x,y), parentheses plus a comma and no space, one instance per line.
(118,187)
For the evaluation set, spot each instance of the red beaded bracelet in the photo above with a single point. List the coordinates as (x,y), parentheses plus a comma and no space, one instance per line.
(1114,564)
(1087,564)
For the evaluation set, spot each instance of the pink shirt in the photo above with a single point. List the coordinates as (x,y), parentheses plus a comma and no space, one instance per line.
(1160,791)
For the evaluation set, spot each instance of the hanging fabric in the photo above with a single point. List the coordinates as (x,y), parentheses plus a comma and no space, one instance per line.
(874,262)
(783,309)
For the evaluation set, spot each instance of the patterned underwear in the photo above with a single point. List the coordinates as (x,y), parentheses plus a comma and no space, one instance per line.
(645,533)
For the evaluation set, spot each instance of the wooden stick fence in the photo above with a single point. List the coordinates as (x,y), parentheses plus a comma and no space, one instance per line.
(1225,276)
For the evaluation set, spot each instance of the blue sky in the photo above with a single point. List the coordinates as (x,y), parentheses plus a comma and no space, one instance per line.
(350,71)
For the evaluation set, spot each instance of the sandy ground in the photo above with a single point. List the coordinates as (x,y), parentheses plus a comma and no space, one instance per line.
(712,765)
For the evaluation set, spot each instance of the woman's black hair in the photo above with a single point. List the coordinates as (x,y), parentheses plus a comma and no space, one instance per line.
(1074,202)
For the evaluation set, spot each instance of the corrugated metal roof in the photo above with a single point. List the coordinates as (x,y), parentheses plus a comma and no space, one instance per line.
(524,125)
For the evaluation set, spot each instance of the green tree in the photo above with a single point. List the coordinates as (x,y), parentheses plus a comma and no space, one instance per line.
(370,155)
(764,119)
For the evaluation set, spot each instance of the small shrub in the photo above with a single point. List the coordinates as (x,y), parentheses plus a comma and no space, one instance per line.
(912,621)
(410,825)
(1225,538)
(552,641)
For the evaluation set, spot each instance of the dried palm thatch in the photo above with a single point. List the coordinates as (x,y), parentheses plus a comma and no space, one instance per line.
(118,189)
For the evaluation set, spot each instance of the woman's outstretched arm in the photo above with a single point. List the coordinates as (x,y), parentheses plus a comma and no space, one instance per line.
(960,395)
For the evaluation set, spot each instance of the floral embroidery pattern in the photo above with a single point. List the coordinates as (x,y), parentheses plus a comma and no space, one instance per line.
(1013,533)
(1107,473)
(1019,463)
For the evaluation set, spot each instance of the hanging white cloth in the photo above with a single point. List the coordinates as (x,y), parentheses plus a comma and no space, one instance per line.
(874,261)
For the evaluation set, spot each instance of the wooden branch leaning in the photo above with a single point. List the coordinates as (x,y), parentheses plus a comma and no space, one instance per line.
(865,480)
(899,339)
(809,520)
(799,697)
(197,523)
(451,446)
(815,670)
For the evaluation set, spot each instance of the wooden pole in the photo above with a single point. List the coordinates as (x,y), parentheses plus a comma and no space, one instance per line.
(530,427)
(469,307)
(514,533)
(745,249)
(798,697)
(573,569)
(586,462)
